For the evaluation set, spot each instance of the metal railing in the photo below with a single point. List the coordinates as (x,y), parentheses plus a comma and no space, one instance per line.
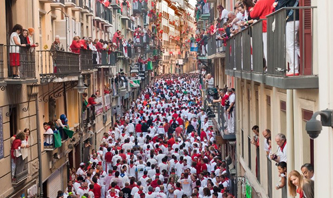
(138,42)
(71,1)
(88,116)
(137,7)
(58,62)
(19,170)
(2,59)
(24,59)
(59,1)
(49,142)
(245,51)
(126,10)
(80,3)
(115,3)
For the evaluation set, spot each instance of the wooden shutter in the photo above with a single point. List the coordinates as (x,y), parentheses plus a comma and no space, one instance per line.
(305,33)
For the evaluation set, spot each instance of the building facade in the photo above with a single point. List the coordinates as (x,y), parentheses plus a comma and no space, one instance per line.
(267,97)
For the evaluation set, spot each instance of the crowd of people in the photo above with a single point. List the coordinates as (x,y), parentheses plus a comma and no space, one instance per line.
(246,13)
(296,182)
(163,146)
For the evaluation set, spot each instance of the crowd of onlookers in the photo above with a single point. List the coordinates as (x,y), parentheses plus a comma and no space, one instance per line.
(246,13)
(296,182)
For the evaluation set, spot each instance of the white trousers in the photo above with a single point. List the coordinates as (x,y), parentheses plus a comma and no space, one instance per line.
(292,45)
(264,41)
(231,122)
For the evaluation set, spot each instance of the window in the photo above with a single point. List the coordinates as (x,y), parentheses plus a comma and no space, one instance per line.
(13,120)
(308,144)
(283,117)
(268,111)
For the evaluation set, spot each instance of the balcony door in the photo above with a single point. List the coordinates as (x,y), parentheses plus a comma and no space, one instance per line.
(305,37)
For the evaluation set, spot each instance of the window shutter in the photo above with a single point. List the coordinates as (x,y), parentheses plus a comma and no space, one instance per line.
(305,34)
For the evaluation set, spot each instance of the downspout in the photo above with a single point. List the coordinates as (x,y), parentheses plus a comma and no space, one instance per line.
(290,129)
(39,147)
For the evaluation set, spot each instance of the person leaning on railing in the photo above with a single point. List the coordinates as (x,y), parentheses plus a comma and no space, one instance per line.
(15,151)
(14,49)
(55,47)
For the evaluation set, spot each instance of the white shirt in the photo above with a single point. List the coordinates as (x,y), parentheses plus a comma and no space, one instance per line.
(282,153)
(13,47)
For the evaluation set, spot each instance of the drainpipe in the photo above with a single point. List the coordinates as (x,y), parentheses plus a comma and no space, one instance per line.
(290,130)
(39,147)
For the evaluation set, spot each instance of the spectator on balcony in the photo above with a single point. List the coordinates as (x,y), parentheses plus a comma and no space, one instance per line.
(230,111)
(282,168)
(116,37)
(297,184)
(84,42)
(223,15)
(308,171)
(15,151)
(281,155)
(30,39)
(292,27)
(14,49)
(48,134)
(55,47)
(261,9)
(25,142)
(255,139)
(92,102)
(210,81)
(267,135)
(76,45)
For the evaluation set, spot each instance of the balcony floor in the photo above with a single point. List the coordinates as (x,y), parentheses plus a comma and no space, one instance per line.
(20,81)
(294,82)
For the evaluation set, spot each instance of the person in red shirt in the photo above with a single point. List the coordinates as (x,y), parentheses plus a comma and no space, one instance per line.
(171,141)
(108,159)
(83,43)
(122,154)
(97,188)
(138,128)
(75,46)
(260,10)
(180,120)
(203,135)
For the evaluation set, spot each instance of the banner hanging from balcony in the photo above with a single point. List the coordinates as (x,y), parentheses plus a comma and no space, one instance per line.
(134,83)
(194,47)
(150,65)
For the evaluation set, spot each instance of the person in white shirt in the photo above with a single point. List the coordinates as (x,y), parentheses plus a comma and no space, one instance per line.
(231,111)
(281,155)
(178,193)
(186,184)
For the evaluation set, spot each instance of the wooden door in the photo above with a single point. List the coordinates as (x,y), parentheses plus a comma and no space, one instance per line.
(305,38)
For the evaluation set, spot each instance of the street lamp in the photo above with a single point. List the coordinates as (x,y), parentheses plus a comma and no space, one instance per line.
(80,86)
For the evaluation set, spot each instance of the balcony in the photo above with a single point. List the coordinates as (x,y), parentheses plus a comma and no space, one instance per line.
(130,25)
(57,3)
(137,7)
(2,57)
(103,14)
(70,3)
(20,173)
(26,62)
(52,65)
(115,4)
(138,43)
(220,116)
(245,59)
(145,6)
(215,48)
(125,15)
(88,116)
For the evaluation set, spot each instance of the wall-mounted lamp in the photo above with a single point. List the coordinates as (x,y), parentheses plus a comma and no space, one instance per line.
(80,86)
(314,126)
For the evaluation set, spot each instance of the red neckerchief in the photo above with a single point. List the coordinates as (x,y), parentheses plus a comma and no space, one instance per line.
(157,175)
(176,161)
(284,144)
(144,176)
(85,188)
(180,162)
(178,189)
(131,165)
(149,193)
(140,192)
(112,194)
(123,134)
